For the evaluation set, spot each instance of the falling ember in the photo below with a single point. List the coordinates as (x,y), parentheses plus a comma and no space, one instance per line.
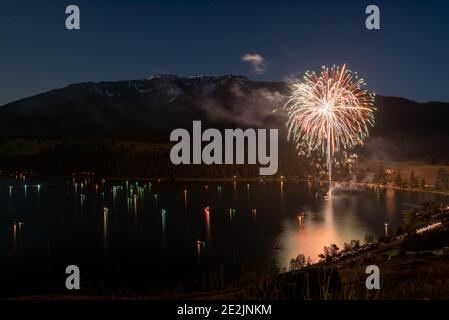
(328,112)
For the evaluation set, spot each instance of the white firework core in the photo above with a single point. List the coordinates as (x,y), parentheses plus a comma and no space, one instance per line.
(329,112)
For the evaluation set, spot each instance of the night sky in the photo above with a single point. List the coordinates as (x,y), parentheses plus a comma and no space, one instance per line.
(121,40)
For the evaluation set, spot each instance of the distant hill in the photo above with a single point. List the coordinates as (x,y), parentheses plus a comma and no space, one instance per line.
(142,108)
(149,109)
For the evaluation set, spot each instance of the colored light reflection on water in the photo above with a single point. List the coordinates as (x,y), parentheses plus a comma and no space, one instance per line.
(105,227)
(279,221)
(164,222)
(207,221)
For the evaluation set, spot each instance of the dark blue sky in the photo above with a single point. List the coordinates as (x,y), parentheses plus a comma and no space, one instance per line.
(132,39)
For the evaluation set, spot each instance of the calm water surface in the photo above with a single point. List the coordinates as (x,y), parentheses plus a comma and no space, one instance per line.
(162,233)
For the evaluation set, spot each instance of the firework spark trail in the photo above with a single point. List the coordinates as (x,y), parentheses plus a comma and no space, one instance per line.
(328,112)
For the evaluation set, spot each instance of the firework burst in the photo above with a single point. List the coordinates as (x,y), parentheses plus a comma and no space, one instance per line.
(329,112)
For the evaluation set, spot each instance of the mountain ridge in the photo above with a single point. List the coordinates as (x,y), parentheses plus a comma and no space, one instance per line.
(150,108)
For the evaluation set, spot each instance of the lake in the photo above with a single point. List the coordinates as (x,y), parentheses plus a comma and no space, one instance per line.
(142,236)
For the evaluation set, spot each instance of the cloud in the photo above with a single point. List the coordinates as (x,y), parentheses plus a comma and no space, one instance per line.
(256,61)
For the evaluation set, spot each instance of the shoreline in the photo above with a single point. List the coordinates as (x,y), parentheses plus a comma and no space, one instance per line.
(439,192)
(234,179)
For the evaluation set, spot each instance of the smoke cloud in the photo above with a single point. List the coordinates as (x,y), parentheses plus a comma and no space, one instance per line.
(254,109)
